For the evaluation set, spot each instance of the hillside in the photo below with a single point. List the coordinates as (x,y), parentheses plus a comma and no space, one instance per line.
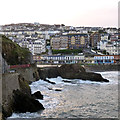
(13,53)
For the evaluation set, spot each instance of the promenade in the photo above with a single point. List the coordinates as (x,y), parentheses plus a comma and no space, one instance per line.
(43,66)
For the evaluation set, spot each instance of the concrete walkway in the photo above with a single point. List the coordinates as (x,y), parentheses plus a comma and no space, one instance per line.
(43,66)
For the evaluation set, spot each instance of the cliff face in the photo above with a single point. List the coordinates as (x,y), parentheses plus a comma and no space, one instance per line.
(13,53)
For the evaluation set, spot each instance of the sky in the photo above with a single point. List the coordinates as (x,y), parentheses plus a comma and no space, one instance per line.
(100,13)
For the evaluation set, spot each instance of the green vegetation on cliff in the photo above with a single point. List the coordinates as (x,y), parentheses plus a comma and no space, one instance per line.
(67,51)
(13,53)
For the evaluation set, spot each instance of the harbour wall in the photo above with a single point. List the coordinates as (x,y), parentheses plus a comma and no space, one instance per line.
(101,68)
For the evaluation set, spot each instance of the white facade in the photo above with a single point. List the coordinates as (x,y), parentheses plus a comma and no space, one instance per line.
(104,37)
(113,49)
(111,31)
(35,47)
(38,46)
(102,44)
(24,44)
(67,59)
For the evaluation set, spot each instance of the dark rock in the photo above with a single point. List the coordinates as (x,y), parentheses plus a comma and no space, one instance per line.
(49,81)
(37,95)
(93,77)
(25,103)
(70,71)
(50,89)
(24,86)
(66,81)
(58,90)
(76,71)
(55,89)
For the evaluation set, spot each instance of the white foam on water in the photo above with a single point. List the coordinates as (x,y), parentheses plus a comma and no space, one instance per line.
(112,76)
(25,115)
(57,80)
(50,102)
(39,85)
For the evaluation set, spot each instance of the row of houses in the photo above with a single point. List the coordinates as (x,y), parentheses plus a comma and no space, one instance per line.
(65,59)
(70,41)
(72,59)
(58,37)
(38,26)
(77,40)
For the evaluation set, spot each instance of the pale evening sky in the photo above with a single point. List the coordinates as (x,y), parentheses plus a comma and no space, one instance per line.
(102,13)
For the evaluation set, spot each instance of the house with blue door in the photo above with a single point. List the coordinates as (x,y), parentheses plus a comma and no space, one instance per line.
(101,59)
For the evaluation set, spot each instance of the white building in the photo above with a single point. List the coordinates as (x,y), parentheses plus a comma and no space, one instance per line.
(102,44)
(35,47)
(113,49)
(24,43)
(111,30)
(105,37)
(38,46)
(59,59)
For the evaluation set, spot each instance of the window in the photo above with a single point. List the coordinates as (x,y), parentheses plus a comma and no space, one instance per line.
(82,40)
(73,40)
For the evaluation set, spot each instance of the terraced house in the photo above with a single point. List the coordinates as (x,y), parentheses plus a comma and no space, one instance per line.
(103,59)
(59,59)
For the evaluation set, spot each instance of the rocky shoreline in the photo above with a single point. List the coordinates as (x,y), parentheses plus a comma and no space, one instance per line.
(71,71)
(17,95)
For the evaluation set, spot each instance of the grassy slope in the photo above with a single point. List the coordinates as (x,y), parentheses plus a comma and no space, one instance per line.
(13,53)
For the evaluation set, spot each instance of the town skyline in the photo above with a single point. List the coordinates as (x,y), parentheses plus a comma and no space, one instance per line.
(71,13)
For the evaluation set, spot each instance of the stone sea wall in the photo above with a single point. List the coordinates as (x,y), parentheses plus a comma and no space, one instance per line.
(17,81)
(30,74)
(10,82)
(101,68)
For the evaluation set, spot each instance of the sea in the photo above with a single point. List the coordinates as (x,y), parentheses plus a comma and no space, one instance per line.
(76,98)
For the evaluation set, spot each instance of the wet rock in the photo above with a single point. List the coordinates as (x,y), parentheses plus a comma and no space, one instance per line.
(66,81)
(50,89)
(49,81)
(58,90)
(25,103)
(93,77)
(55,89)
(70,71)
(37,95)
(76,71)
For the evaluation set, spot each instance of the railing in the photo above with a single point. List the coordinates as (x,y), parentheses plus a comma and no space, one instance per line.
(19,66)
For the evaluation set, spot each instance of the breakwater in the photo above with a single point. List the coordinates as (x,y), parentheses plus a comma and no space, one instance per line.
(102,68)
